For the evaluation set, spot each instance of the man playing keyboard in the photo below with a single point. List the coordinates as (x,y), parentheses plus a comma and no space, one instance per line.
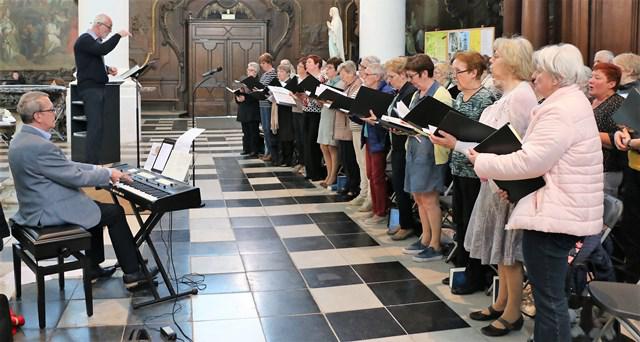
(48,190)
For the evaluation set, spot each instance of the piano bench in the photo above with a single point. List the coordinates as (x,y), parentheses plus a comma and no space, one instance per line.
(34,244)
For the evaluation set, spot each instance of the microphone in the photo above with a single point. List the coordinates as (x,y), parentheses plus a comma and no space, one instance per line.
(211,72)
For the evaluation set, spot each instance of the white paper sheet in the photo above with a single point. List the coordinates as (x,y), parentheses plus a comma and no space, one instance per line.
(186,139)
(153,153)
(402,109)
(178,165)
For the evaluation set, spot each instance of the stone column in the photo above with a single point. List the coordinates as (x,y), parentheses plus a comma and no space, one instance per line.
(382,28)
(535,21)
(118,10)
(511,17)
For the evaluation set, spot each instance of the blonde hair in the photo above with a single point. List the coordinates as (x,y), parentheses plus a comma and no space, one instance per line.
(396,64)
(517,52)
(628,62)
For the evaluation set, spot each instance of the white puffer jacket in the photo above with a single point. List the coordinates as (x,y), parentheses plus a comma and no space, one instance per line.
(563,145)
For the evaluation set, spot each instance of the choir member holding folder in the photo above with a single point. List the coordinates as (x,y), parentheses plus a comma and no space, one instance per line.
(486,238)
(562,144)
(311,122)
(282,120)
(328,145)
(467,69)
(249,116)
(425,174)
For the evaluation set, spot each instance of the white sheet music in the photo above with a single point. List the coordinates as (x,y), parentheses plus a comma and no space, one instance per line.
(153,153)
(402,109)
(186,139)
(127,73)
(178,165)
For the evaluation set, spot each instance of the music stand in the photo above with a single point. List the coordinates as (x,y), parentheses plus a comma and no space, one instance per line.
(134,74)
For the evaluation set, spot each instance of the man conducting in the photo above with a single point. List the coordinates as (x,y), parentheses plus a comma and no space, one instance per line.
(89,50)
(47,186)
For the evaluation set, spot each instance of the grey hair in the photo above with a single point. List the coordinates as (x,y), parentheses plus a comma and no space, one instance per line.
(376,68)
(29,104)
(101,19)
(292,69)
(253,65)
(583,83)
(348,66)
(606,55)
(629,62)
(370,60)
(562,61)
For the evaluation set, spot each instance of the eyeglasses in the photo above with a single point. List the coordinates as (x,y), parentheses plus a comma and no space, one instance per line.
(52,110)
(458,72)
(107,26)
(366,74)
(412,75)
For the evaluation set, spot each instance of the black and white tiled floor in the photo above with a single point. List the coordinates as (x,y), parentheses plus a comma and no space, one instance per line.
(281,258)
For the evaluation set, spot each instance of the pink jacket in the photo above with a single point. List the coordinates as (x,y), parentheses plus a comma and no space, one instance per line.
(561,144)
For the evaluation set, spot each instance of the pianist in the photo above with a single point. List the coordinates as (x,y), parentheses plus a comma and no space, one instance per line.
(47,186)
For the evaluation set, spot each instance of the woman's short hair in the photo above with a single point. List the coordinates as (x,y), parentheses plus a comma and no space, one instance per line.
(517,53)
(29,104)
(473,60)
(265,58)
(630,62)
(376,69)
(420,63)
(443,68)
(396,64)
(303,60)
(316,60)
(254,66)
(611,71)
(285,67)
(562,61)
(335,61)
(348,66)
(370,60)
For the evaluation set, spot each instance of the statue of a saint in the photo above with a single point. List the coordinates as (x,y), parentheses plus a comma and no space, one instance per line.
(336,46)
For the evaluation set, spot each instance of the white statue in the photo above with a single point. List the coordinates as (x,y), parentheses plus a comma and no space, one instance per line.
(336,46)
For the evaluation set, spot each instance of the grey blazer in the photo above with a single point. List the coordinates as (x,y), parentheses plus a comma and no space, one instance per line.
(47,183)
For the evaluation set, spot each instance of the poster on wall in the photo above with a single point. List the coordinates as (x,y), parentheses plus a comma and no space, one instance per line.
(37,34)
(442,45)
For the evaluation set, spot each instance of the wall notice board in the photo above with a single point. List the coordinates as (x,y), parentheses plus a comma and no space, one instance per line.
(444,44)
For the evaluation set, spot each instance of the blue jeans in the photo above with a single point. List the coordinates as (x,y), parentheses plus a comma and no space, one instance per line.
(545,256)
(265,118)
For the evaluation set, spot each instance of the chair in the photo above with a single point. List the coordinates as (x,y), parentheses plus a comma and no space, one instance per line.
(34,244)
(621,301)
(446,205)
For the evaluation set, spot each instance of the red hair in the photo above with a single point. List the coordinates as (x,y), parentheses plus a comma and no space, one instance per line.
(611,71)
(316,60)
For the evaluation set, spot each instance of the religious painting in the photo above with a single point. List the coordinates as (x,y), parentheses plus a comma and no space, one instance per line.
(37,34)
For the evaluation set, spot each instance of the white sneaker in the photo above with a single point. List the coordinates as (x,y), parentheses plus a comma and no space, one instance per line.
(356,202)
(363,215)
(375,220)
(366,206)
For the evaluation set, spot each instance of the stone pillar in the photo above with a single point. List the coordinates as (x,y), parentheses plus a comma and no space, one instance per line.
(535,21)
(511,17)
(118,10)
(382,28)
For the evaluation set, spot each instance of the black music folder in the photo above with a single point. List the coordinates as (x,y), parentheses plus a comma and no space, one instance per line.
(427,112)
(504,141)
(309,84)
(464,128)
(371,99)
(252,82)
(629,113)
(337,98)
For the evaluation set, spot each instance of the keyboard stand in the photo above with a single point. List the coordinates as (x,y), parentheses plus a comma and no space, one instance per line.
(144,235)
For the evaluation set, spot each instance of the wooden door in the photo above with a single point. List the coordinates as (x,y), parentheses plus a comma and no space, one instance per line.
(229,44)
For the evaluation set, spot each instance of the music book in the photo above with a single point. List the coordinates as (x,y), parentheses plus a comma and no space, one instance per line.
(427,112)
(236,92)
(371,100)
(407,128)
(464,128)
(309,84)
(629,113)
(252,82)
(504,141)
(292,85)
(282,96)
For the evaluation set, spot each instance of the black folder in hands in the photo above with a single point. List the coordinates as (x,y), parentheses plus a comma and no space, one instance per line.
(252,82)
(629,113)
(309,84)
(427,112)
(371,100)
(338,99)
(406,128)
(464,128)
(506,141)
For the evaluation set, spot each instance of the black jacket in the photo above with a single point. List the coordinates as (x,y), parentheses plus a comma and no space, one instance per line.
(92,72)
(248,110)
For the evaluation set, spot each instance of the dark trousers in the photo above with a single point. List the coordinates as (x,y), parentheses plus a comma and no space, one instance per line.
(628,234)
(251,137)
(112,216)
(298,127)
(403,199)
(281,151)
(349,165)
(545,255)
(312,153)
(376,164)
(93,99)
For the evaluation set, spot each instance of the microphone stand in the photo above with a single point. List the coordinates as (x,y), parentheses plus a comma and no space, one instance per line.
(193,125)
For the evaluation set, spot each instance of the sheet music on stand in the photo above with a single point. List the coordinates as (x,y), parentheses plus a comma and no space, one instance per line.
(176,166)
(135,72)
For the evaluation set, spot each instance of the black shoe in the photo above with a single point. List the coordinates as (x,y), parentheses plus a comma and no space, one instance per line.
(99,272)
(465,290)
(445,281)
(490,330)
(244,153)
(479,316)
(135,279)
